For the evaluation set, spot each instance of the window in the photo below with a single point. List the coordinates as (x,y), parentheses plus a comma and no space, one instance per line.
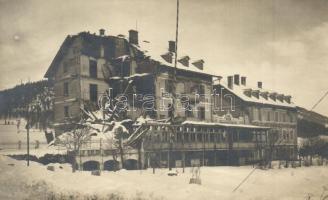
(66,111)
(256,114)
(65,67)
(180,88)
(276,116)
(93,68)
(201,89)
(75,50)
(284,117)
(200,137)
(291,135)
(188,111)
(66,89)
(168,86)
(93,92)
(201,114)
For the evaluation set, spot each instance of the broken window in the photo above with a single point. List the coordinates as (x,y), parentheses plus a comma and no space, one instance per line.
(93,92)
(65,89)
(66,111)
(93,68)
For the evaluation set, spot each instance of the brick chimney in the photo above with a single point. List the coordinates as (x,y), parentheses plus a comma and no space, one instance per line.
(102,32)
(172,46)
(243,80)
(133,37)
(230,82)
(259,84)
(199,64)
(236,79)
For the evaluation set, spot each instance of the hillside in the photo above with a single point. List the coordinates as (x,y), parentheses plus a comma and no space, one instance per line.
(14,101)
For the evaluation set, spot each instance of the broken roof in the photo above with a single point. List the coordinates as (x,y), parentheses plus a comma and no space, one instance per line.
(91,45)
(156,53)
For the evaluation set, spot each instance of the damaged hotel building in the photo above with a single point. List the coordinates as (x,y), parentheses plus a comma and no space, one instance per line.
(241,125)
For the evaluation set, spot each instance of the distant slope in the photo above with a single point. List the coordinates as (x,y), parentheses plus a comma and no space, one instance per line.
(13,102)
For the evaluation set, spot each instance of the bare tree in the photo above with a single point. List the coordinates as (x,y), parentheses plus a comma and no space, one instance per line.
(73,141)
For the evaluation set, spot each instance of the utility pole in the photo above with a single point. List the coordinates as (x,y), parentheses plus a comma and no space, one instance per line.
(174,85)
(28,134)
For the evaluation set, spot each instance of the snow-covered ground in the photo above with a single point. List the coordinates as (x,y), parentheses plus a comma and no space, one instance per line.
(36,182)
(10,136)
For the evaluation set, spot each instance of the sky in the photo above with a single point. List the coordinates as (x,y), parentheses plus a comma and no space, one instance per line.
(283,43)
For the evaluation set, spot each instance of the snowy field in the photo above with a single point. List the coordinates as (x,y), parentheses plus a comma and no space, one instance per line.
(10,136)
(36,182)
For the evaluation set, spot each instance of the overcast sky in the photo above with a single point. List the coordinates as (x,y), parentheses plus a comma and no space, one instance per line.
(283,43)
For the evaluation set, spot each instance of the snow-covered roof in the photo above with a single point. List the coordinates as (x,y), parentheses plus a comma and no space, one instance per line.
(239,90)
(155,53)
(202,123)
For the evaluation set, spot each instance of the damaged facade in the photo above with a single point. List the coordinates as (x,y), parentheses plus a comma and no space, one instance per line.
(89,65)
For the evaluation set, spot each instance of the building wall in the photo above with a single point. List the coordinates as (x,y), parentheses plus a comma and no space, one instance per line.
(183,88)
(74,110)
(67,72)
(281,120)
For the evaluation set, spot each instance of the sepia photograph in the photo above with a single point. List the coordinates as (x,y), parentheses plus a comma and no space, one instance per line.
(164,100)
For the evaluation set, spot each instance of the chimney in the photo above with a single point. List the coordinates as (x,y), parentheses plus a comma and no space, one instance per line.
(236,79)
(172,46)
(259,85)
(230,82)
(199,64)
(102,32)
(133,37)
(243,81)
(184,61)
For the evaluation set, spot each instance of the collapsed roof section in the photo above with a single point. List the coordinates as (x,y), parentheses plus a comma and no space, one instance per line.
(167,58)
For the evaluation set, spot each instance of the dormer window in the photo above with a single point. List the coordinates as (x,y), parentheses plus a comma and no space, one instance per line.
(264,95)
(199,64)
(248,92)
(287,98)
(184,61)
(168,57)
(256,93)
(280,97)
(273,96)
